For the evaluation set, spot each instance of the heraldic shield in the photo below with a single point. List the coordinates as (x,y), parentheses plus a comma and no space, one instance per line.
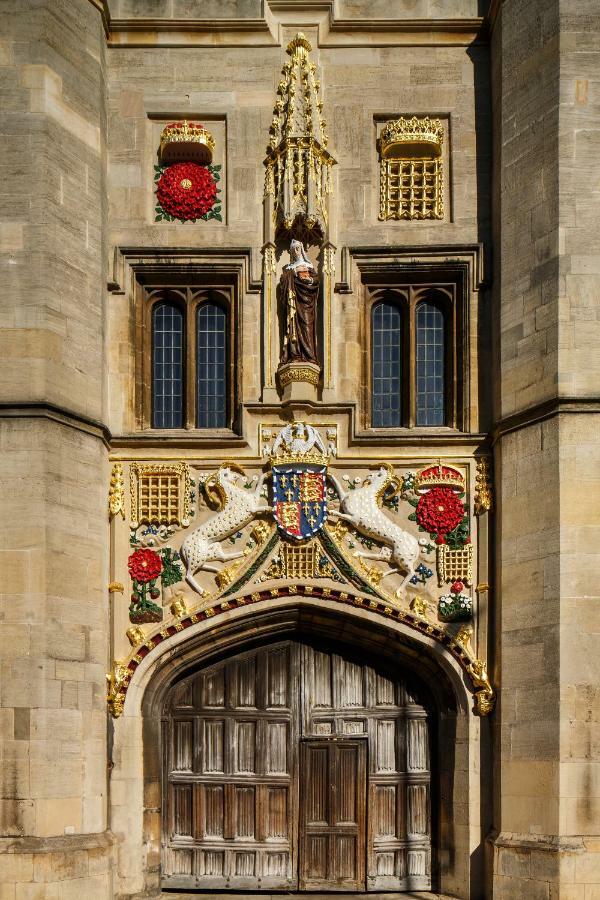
(300,499)
(299,466)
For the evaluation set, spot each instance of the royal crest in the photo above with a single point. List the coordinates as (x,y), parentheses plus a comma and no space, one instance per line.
(299,465)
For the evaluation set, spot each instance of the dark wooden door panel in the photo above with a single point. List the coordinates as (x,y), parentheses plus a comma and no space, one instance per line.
(333,778)
(230,777)
(232,738)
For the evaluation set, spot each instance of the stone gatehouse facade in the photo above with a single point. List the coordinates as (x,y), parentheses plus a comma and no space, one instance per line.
(299,465)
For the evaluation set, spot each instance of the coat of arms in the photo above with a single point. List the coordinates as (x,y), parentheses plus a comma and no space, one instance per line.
(299,465)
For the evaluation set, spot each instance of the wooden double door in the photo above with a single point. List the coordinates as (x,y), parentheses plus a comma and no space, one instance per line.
(297,768)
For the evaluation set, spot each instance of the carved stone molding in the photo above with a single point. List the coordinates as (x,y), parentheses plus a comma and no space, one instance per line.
(459,648)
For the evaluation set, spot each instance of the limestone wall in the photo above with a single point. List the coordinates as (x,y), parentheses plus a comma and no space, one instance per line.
(53,552)
(231,90)
(546,299)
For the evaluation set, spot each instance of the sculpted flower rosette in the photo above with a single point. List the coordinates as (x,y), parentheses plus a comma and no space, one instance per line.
(144,566)
(439,511)
(187,191)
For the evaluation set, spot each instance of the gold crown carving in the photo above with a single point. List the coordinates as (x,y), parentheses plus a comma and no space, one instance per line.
(439,476)
(287,456)
(186,141)
(414,137)
(299,443)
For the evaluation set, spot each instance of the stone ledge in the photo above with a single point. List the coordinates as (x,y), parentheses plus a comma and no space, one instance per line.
(58,414)
(227,895)
(549,843)
(69,843)
(548,409)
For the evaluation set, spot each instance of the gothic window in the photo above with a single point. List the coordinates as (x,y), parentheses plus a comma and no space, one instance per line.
(430,361)
(167,366)
(211,362)
(413,359)
(188,382)
(411,173)
(386,365)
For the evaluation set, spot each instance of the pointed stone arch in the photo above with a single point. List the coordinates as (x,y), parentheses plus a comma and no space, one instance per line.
(136,758)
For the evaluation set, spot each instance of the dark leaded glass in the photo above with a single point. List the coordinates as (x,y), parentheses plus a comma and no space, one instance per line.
(430,365)
(167,366)
(386,410)
(211,363)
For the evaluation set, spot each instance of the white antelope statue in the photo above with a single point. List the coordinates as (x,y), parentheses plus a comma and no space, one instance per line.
(236,508)
(362,508)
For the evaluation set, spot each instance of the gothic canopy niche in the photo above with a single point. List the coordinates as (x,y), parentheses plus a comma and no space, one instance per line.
(298,177)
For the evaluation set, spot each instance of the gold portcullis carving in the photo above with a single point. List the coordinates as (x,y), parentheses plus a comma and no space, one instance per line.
(455,565)
(411,169)
(160,494)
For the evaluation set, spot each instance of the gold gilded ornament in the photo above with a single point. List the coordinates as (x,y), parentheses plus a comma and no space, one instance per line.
(117,680)
(116,492)
(298,165)
(420,606)
(485,698)
(135,635)
(463,637)
(298,372)
(483,487)
(179,606)
(260,532)
(186,142)
(411,173)
(227,575)
(160,494)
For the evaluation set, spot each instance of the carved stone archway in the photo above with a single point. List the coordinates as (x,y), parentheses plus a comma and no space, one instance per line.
(136,774)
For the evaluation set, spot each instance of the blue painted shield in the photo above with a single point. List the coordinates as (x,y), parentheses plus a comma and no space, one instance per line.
(299,499)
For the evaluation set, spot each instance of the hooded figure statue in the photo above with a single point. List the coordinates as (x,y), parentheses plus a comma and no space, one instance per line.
(300,291)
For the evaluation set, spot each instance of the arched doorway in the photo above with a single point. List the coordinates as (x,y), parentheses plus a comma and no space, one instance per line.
(297,766)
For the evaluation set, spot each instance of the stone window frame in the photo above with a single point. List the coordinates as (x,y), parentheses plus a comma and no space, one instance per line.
(364,267)
(407,296)
(228,270)
(188,298)
(188,290)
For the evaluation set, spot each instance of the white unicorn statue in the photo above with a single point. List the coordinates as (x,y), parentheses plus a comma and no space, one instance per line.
(362,508)
(236,508)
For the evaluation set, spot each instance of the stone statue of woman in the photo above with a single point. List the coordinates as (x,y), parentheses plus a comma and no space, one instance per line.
(300,292)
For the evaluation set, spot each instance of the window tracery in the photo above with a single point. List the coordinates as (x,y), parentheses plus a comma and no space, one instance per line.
(167,366)
(386,364)
(185,344)
(412,356)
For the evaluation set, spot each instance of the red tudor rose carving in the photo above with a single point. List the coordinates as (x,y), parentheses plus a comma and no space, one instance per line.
(439,511)
(144,565)
(186,190)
